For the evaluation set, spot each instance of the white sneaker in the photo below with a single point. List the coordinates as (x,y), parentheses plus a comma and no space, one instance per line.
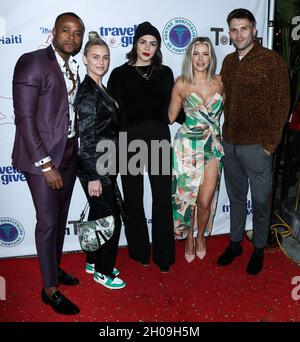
(111,283)
(90,268)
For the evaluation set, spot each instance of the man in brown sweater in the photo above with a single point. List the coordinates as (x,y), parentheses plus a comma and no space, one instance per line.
(257,101)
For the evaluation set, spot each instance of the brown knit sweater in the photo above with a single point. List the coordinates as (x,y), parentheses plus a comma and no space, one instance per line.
(257,98)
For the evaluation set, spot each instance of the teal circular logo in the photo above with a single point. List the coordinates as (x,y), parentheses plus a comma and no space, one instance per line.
(11,232)
(178,33)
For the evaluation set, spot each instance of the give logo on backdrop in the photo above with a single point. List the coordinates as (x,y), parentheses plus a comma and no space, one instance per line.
(9,174)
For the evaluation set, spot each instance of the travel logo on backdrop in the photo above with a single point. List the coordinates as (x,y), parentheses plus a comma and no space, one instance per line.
(115,36)
(11,232)
(178,33)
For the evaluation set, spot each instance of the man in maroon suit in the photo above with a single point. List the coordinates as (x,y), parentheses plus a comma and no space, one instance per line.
(44,86)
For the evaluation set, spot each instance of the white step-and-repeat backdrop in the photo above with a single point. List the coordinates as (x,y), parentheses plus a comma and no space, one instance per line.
(26,26)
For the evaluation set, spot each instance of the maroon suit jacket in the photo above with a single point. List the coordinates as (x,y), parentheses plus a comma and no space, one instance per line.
(41,110)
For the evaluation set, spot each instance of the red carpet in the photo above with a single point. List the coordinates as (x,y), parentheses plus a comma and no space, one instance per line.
(196,292)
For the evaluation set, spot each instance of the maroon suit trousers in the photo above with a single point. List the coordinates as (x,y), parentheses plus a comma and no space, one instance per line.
(51,214)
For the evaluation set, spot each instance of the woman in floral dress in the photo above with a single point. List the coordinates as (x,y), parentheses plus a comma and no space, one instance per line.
(197,150)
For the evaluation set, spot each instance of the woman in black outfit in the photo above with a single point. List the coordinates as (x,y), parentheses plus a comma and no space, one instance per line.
(142,87)
(98,121)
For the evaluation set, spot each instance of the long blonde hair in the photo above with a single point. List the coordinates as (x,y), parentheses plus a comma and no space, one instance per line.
(187,67)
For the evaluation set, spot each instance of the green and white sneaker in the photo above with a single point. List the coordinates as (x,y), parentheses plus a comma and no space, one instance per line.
(90,268)
(111,283)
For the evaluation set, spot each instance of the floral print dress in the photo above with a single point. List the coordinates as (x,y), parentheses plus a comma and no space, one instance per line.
(196,142)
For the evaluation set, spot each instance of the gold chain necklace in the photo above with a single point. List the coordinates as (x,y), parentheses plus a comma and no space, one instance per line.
(145,75)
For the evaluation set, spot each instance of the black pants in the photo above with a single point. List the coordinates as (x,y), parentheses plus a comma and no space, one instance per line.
(105,257)
(136,228)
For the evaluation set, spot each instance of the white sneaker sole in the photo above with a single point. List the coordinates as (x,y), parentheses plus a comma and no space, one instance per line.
(110,287)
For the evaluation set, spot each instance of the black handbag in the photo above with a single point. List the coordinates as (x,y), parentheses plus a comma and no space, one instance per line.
(93,234)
